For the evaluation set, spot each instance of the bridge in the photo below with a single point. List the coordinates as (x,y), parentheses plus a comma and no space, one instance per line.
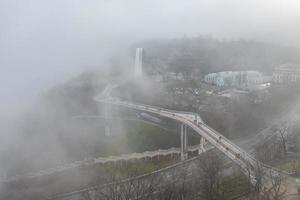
(244,160)
(187,120)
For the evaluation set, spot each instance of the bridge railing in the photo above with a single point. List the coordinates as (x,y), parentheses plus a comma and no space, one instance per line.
(116,101)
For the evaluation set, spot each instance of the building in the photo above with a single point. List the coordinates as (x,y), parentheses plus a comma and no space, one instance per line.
(241,79)
(223,79)
(173,76)
(253,77)
(286,74)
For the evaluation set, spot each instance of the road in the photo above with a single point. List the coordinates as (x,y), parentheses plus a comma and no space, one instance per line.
(226,146)
(246,161)
(236,154)
(239,156)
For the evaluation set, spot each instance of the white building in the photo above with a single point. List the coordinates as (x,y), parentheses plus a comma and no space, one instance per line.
(236,78)
(223,79)
(287,74)
(253,77)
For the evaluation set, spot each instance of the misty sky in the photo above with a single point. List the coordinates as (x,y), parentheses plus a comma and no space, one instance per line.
(44,42)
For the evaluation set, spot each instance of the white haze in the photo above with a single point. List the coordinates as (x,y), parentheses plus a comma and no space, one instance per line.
(45,42)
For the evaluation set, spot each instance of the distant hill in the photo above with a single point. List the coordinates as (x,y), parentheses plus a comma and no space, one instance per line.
(203,55)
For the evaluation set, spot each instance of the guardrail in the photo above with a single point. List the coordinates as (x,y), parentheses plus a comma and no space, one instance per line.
(106,100)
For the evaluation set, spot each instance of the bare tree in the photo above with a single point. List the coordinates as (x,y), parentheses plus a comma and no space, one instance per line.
(273,146)
(273,190)
(277,192)
(255,176)
(126,190)
(282,132)
(173,185)
(259,175)
(210,181)
(86,196)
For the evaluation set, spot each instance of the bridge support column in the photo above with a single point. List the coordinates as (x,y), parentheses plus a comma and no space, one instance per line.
(106,125)
(201,149)
(184,143)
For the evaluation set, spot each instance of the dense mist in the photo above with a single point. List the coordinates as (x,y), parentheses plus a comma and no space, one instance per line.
(42,43)
(57,56)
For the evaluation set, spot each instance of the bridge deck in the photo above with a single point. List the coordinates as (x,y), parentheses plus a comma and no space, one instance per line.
(246,161)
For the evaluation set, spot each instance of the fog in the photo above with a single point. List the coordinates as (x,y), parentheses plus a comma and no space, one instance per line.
(45,43)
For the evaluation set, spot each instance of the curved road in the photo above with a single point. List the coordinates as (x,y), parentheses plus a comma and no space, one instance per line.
(246,161)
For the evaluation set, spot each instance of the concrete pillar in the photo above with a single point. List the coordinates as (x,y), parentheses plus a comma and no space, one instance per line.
(181,142)
(184,143)
(201,149)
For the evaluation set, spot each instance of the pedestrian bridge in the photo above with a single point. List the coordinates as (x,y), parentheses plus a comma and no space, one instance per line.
(247,162)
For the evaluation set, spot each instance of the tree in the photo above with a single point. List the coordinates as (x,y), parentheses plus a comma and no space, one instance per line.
(255,176)
(210,181)
(267,183)
(275,145)
(276,192)
(158,186)
(283,132)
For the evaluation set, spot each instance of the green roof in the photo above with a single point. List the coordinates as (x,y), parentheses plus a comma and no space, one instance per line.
(298,181)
